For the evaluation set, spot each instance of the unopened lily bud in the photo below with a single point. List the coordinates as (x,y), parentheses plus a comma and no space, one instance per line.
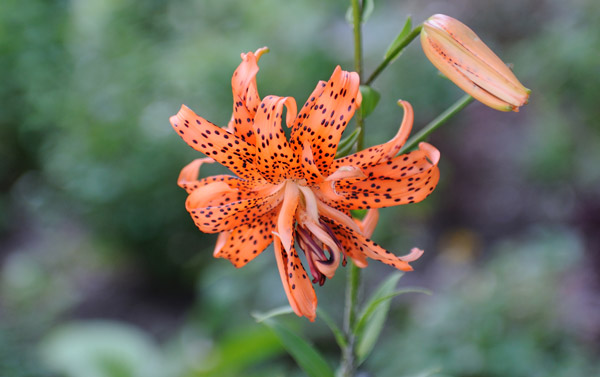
(454,49)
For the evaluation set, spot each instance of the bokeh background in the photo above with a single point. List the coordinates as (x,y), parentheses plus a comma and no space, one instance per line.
(104,274)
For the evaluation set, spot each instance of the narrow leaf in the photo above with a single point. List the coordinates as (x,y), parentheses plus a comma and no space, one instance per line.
(372,318)
(339,336)
(307,357)
(373,306)
(367,9)
(370,99)
(260,317)
(346,144)
(394,50)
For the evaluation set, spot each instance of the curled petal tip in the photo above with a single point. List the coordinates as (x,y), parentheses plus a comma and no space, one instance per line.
(261,51)
(415,253)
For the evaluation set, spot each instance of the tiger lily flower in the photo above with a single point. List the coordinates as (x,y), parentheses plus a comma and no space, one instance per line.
(454,49)
(294,193)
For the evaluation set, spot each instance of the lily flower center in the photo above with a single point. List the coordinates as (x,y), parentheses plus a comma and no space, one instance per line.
(300,220)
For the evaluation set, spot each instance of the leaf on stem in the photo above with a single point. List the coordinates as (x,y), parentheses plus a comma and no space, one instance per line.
(370,99)
(372,318)
(339,336)
(307,357)
(345,146)
(366,11)
(260,317)
(394,51)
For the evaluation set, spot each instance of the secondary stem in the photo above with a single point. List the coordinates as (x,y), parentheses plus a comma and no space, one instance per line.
(394,54)
(434,124)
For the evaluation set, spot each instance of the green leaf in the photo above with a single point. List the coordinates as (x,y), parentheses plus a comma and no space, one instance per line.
(359,213)
(260,317)
(307,357)
(385,298)
(346,144)
(367,9)
(396,47)
(372,318)
(339,336)
(370,99)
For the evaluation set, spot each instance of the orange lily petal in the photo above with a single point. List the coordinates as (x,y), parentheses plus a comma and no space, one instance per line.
(216,207)
(246,242)
(188,177)
(243,82)
(325,121)
(373,250)
(382,152)
(296,283)
(349,245)
(296,145)
(245,95)
(286,219)
(274,156)
(215,142)
(309,169)
(369,222)
(405,179)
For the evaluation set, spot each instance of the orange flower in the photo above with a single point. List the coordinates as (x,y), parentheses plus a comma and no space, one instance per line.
(454,49)
(296,192)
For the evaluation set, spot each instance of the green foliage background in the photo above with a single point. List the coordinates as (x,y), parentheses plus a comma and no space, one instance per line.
(104,274)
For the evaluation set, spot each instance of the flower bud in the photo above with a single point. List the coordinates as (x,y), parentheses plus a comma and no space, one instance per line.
(454,49)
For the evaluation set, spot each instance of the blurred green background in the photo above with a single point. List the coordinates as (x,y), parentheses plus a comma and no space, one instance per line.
(104,274)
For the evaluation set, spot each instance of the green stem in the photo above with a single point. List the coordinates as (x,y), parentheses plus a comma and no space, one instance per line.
(348,363)
(434,124)
(391,56)
(357,32)
(348,367)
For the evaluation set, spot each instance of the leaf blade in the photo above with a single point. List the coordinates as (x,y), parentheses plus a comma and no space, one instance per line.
(394,49)
(345,146)
(261,317)
(370,99)
(369,325)
(307,357)
(337,333)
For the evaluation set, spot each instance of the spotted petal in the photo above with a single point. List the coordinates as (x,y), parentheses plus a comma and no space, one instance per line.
(246,242)
(324,121)
(370,249)
(296,283)
(408,178)
(216,207)
(215,142)
(245,95)
(274,157)
(382,152)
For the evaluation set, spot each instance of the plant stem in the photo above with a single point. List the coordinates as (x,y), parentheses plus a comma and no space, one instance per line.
(357,32)
(348,367)
(348,363)
(434,124)
(394,54)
